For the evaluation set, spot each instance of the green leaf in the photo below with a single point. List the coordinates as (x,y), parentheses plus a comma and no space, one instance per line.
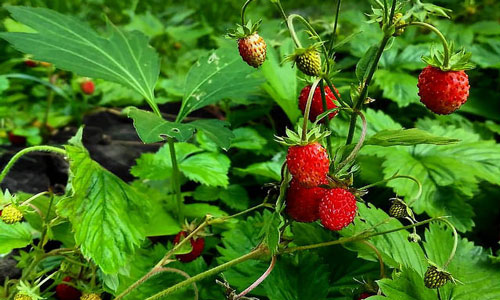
(124,57)
(207,168)
(152,129)
(235,196)
(221,74)
(407,137)
(14,236)
(406,285)
(106,213)
(240,240)
(200,210)
(395,248)
(158,166)
(365,63)
(216,130)
(281,80)
(397,86)
(304,276)
(248,138)
(471,265)
(269,169)
(271,232)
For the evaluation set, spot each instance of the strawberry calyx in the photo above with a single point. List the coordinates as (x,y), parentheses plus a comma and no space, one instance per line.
(295,138)
(243,31)
(458,61)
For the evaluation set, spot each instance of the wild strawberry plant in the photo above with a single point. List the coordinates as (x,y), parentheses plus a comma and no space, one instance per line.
(286,246)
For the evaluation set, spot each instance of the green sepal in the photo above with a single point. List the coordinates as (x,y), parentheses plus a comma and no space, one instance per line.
(459,61)
(293,138)
(242,31)
(300,51)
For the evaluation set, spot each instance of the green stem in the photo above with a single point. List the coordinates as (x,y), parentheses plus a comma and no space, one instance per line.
(358,237)
(395,176)
(358,146)
(19,154)
(326,120)
(364,91)
(282,11)
(243,10)
(379,257)
(308,108)
(45,123)
(176,179)
(46,223)
(254,254)
(334,33)
(446,47)
(334,91)
(455,242)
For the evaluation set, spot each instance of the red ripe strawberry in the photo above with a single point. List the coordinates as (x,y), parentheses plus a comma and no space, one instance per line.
(317,102)
(364,296)
(87,87)
(302,204)
(253,49)
(443,92)
(197,245)
(337,208)
(17,140)
(30,63)
(308,164)
(67,292)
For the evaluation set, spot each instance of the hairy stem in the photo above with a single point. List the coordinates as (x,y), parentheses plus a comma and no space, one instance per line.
(19,154)
(243,10)
(326,120)
(252,255)
(396,176)
(379,257)
(334,33)
(446,47)
(308,109)
(358,146)
(455,242)
(259,280)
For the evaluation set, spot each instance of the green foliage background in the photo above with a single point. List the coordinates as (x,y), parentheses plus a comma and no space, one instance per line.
(459,180)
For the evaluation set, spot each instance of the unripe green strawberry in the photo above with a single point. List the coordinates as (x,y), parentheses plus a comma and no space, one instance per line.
(398,209)
(309,62)
(253,49)
(20,296)
(398,22)
(90,296)
(11,215)
(435,278)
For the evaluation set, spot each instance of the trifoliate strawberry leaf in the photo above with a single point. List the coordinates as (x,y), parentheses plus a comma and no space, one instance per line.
(264,170)
(397,86)
(248,138)
(302,276)
(216,130)
(407,137)
(240,240)
(123,57)
(471,265)
(394,247)
(143,261)
(207,168)
(153,129)
(405,285)
(440,169)
(218,75)
(14,236)
(99,206)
